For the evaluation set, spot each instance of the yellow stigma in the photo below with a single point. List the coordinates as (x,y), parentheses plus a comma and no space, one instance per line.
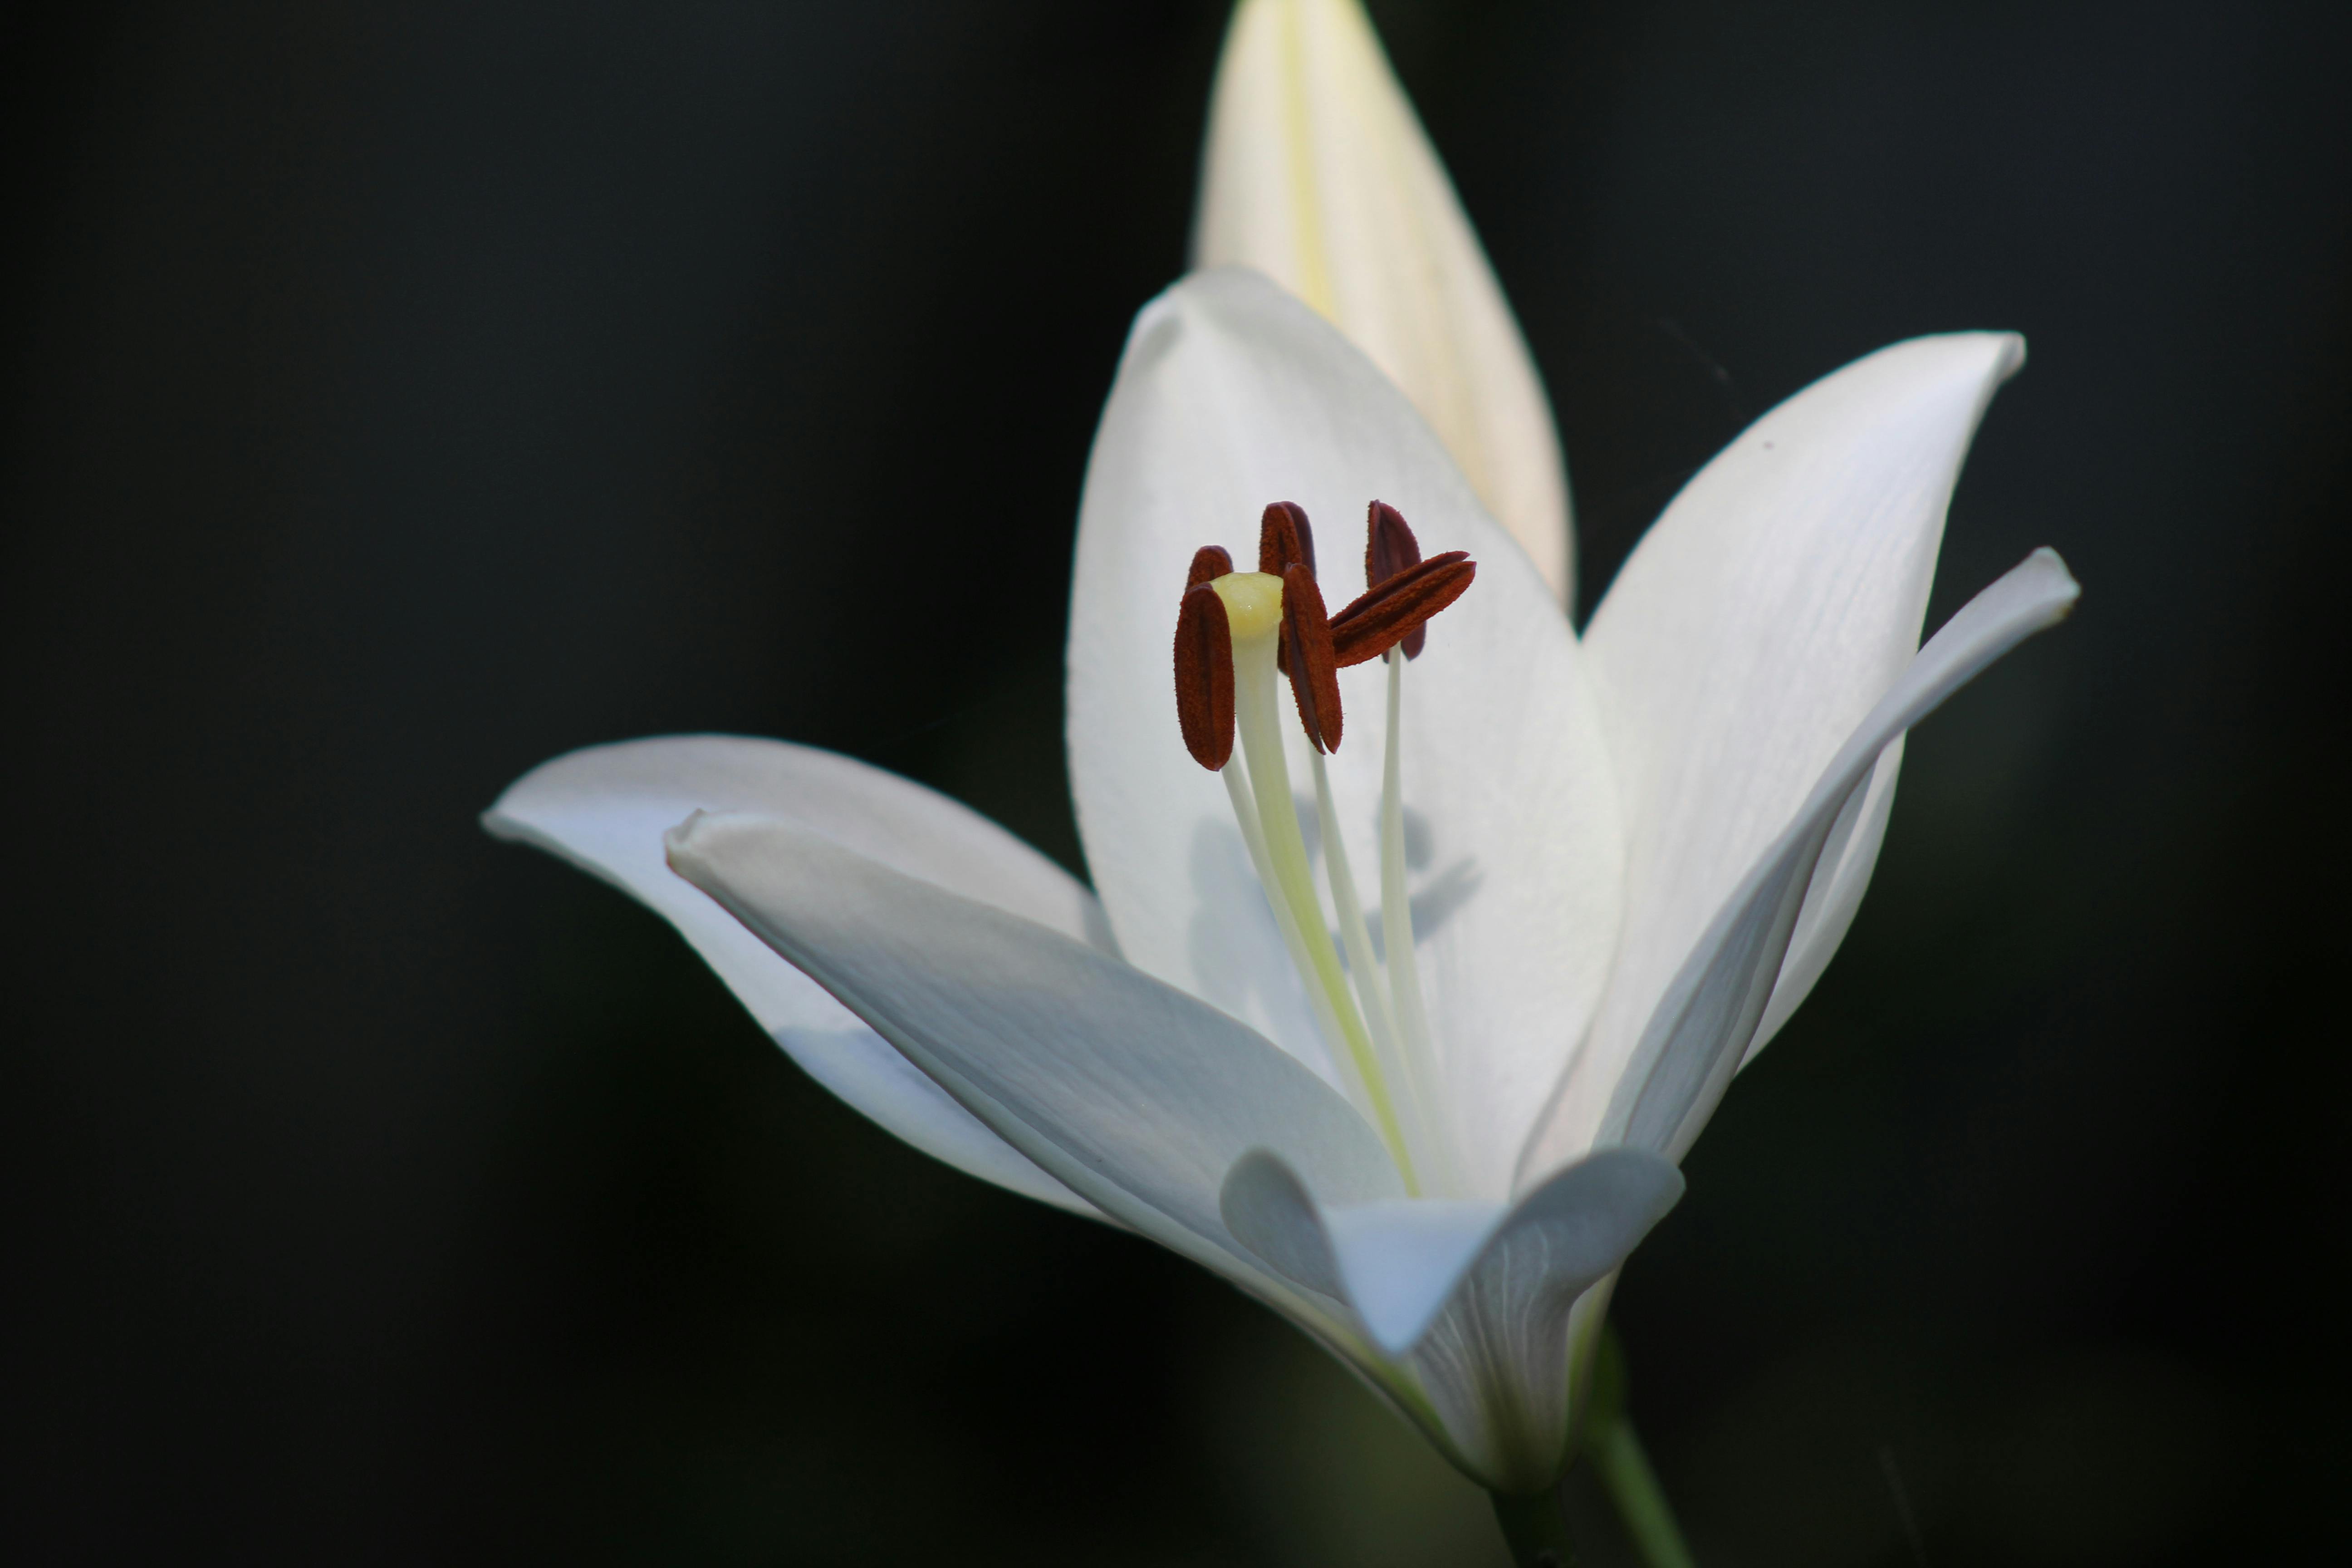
(1253,603)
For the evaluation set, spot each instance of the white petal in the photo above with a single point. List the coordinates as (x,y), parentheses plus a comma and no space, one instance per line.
(1399,1262)
(1694,1041)
(1127,1091)
(606,809)
(1318,173)
(1778,598)
(1481,1300)
(1232,395)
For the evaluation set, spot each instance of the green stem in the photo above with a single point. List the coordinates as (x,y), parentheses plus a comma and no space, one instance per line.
(1624,1469)
(1536,1528)
(1641,1503)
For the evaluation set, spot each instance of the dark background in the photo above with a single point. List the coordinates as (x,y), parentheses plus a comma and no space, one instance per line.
(399,396)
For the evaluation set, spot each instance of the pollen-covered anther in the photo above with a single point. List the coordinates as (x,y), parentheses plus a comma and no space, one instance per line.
(1314,670)
(1389,544)
(1386,616)
(1205,675)
(1209,563)
(1284,536)
(1391,548)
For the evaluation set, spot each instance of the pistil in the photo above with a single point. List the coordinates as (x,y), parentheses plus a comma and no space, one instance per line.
(1253,607)
(1396,577)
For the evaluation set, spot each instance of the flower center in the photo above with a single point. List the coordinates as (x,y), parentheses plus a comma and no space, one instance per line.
(1237,633)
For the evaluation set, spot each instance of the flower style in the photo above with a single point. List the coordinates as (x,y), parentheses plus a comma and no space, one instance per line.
(1608,868)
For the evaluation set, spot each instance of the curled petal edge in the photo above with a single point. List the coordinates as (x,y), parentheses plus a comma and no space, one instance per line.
(1396,1264)
(1701,1029)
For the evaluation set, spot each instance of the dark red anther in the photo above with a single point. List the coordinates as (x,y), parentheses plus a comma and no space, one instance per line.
(1204,676)
(1314,671)
(1385,615)
(1209,563)
(1389,544)
(1391,548)
(1283,537)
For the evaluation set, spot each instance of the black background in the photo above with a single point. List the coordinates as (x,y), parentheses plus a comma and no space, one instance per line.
(400,396)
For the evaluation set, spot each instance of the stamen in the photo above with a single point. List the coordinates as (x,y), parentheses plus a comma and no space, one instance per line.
(1205,675)
(1391,548)
(1282,537)
(1389,544)
(1423,1086)
(1384,617)
(1209,563)
(1371,986)
(1313,672)
(1391,621)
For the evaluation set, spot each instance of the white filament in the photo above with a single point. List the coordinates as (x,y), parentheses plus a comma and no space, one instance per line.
(1425,1084)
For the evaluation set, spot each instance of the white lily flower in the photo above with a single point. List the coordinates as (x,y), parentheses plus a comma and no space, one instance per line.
(1318,173)
(1605,866)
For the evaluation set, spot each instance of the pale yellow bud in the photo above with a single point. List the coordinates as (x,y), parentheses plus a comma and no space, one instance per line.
(1318,173)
